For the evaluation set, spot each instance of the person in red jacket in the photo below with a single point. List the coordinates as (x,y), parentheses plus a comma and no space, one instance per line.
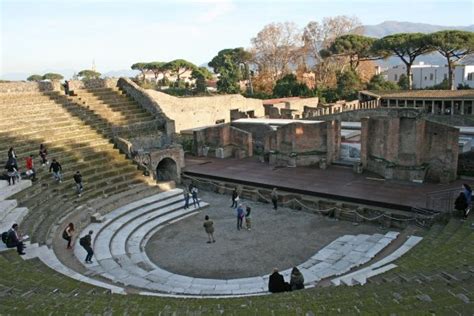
(30,170)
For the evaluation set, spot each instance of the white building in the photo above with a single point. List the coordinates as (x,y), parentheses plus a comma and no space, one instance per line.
(426,76)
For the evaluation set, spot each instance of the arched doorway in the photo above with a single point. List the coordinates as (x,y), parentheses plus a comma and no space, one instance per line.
(167,170)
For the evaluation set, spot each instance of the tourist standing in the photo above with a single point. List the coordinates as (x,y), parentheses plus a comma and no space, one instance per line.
(30,169)
(240,216)
(194,193)
(274,196)
(11,154)
(11,172)
(209,228)
(186,199)
(86,243)
(235,198)
(14,239)
(68,233)
(43,153)
(78,180)
(248,219)
(57,170)
(296,280)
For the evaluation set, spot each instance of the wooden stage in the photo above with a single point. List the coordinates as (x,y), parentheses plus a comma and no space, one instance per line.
(336,182)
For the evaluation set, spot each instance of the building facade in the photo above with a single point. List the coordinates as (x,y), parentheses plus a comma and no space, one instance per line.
(426,76)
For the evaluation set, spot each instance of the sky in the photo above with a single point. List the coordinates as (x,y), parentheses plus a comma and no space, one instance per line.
(38,36)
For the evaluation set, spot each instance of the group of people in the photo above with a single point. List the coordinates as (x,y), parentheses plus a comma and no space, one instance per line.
(276,282)
(55,168)
(240,211)
(191,191)
(85,241)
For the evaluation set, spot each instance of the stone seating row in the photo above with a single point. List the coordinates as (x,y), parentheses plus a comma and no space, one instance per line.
(121,239)
(360,277)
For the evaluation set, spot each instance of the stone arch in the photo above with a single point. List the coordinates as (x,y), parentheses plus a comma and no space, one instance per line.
(167,170)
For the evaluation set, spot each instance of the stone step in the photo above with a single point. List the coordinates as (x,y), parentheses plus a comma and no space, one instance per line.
(11,190)
(6,206)
(48,257)
(15,216)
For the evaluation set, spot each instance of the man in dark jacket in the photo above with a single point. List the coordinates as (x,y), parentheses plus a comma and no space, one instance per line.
(78,180)
(277,283)
(57,170)
(14,240)
(86,243)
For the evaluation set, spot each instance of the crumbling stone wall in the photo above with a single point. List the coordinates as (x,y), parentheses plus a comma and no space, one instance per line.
(408,147)
(223,140)
(305,144)
(258,132)
(92,83)
(145,100)
(194,112)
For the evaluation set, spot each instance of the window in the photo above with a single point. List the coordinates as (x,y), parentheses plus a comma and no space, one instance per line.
(396,77)
(426,78)
(431,77)
(445,77)
(470,76)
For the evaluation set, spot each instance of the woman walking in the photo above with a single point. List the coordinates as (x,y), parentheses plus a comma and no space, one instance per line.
(68,233)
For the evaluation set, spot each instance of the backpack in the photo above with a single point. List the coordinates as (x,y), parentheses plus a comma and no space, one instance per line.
(65,235)
(461,202)
(82,241)
(5,237)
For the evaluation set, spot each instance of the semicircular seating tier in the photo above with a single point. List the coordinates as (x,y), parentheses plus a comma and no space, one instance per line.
(120,241)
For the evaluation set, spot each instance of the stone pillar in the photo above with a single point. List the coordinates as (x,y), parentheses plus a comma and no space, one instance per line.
(364,134)
(452,108)
(424,108)
(433,107)
(462,107)
(396,103)
(442,108)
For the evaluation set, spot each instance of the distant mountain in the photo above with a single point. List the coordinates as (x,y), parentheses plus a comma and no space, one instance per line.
(392,27)
(121,73)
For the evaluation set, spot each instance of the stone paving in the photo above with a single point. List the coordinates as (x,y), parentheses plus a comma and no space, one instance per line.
(120,241)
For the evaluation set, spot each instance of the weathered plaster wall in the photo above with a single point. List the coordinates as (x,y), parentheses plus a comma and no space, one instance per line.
(409,148)
(193,112)
(308,143)
(233,141)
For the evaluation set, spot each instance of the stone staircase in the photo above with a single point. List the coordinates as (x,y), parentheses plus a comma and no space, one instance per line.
(79,139)
(112,105)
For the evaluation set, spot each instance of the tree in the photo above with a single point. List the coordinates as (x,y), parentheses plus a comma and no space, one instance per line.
(178,67)
(157,67)
(275,48)
(403,82)
(140,67)
(348,85)
(201,74)
(52,76)
(288,86)
(88,74)
(378,83)
(228,64)
(454,46)
(406,46)
(356,47)
(35,78)
(319,36)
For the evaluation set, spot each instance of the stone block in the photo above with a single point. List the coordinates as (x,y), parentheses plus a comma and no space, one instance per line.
(166,185)
(97,218)
(220,153)
(323,164)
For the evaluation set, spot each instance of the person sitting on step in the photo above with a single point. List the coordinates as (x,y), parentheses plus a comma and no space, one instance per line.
(14,239)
